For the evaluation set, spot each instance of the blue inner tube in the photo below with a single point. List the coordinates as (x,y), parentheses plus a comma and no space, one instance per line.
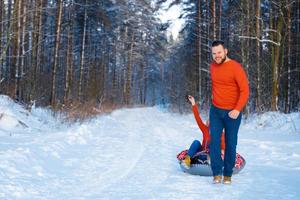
(200,165)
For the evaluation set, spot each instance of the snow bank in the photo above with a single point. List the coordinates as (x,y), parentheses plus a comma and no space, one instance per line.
(276,121)
(131,154)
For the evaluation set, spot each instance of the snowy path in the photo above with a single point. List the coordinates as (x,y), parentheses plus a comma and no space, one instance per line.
(131,154)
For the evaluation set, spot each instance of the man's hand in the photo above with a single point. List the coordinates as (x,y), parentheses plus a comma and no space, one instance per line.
(234,114)
(191,99)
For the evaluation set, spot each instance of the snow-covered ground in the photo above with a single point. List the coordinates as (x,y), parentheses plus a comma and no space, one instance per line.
(131,154)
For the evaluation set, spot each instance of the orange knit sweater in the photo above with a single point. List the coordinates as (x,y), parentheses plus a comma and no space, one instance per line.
(205,130)
(230,87)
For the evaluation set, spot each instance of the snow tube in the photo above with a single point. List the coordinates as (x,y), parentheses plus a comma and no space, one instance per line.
(200,163)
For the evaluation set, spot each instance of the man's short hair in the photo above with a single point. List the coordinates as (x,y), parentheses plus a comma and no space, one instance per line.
(217,43)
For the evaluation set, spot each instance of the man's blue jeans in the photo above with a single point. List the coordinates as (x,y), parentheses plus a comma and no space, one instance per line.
(220,120)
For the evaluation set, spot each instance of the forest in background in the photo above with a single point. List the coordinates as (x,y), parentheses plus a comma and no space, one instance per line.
(115,53)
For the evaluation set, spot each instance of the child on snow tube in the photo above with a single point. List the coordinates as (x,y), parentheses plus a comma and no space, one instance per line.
(196,146)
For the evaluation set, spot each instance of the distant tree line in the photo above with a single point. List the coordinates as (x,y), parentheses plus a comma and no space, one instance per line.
(60,52)
(116,52)
(263,35)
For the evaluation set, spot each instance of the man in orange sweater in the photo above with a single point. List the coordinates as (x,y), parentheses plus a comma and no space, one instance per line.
(230,92)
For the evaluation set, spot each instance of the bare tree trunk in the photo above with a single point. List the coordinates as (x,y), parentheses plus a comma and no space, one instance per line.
(214,19)
(34,56)
(38,47)
(162,80)
(22,67)
(198,50)
(40,36)
(220,21)
(129,71)
(9,46)
(114,71)
(289,25)
(141,81)
(80,90)
(248,46)
(13,66)
(145,88)
(17,45)
(56,50)
(89,67)
(275,68)
(2,11)
(114,84)
(208,54)
(297,64)
(245,30)
(207,18)
(101,73)
(69,71)
(125,58)
(258,70)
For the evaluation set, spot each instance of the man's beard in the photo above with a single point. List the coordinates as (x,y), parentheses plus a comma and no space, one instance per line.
(222,61)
